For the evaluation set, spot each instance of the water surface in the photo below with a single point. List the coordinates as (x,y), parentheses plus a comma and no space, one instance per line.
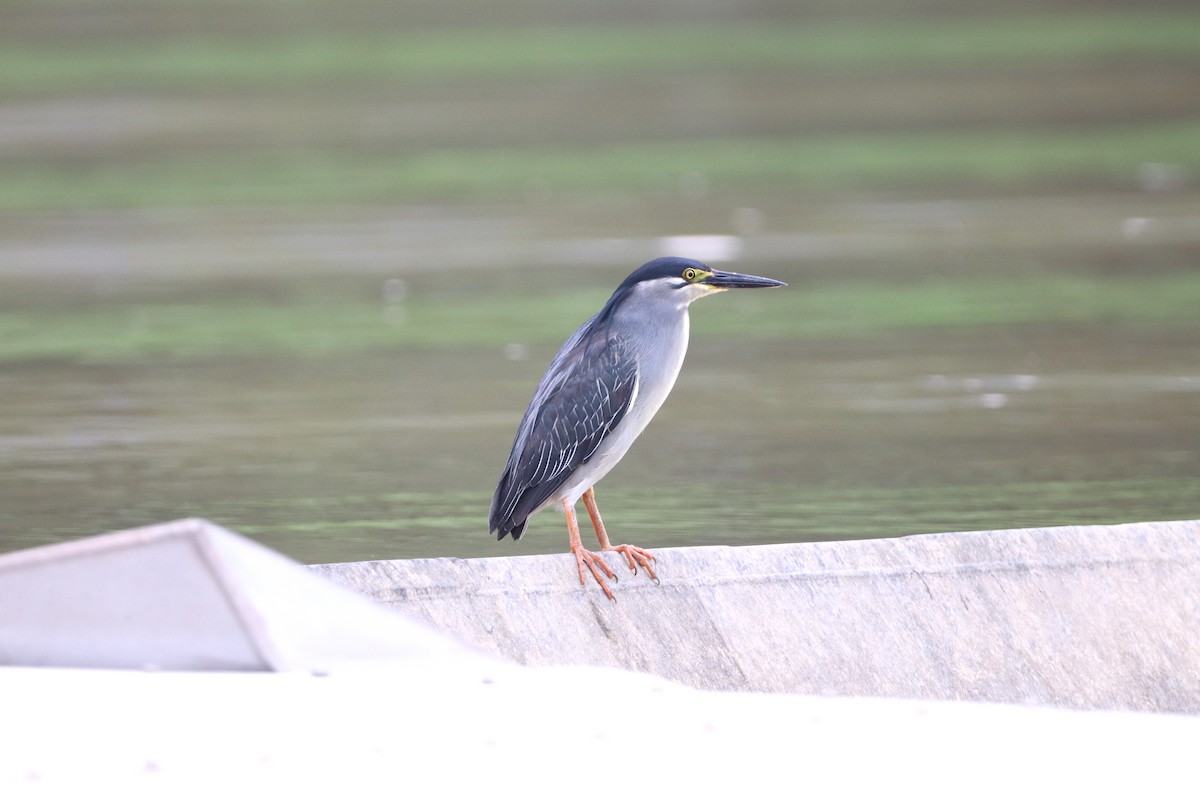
(392,452)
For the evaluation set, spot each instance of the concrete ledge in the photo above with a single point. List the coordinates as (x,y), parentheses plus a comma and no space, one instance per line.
(189,595)
(1092,617)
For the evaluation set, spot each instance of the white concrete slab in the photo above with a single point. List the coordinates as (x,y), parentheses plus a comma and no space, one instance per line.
(483,729)
(1089,617)
(375,706)
(188,595)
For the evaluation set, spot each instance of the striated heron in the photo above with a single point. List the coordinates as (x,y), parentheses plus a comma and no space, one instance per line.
(601,390)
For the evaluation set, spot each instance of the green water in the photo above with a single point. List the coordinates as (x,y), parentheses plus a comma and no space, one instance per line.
(391,451)
(296,267)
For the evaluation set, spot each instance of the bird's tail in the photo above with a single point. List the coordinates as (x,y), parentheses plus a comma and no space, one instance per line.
(501,529)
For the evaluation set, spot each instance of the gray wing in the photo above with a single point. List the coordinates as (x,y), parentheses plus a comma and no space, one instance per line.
(584,394)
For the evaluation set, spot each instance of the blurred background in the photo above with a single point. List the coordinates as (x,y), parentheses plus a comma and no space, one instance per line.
(296,265)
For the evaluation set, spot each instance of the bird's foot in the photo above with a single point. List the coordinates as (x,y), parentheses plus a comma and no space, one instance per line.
(595,564)
(635,556)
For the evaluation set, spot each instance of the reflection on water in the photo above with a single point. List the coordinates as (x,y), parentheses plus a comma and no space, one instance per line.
(394,454)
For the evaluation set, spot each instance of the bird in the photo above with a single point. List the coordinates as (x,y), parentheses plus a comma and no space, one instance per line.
(600,391)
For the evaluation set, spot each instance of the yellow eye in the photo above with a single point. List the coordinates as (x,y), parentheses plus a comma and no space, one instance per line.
(689,274)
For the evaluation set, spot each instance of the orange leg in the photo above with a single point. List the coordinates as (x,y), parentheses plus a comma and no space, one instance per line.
(633,555)
(587,558)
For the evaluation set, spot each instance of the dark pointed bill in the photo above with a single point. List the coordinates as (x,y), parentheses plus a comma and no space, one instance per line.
(736,280)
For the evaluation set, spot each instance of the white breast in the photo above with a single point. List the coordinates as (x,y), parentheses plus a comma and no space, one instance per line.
(662,355)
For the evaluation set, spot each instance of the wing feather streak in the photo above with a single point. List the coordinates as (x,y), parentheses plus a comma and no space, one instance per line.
(580,401)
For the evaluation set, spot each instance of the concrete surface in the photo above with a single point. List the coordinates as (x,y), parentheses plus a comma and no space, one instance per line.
(187,595)
(372,703)
(469,727)
(1082,617)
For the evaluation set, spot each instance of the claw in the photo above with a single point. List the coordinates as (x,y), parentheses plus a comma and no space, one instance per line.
(595,564)
(635,556)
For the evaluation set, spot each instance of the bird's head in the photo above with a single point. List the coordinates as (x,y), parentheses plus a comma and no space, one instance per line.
(690,279)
